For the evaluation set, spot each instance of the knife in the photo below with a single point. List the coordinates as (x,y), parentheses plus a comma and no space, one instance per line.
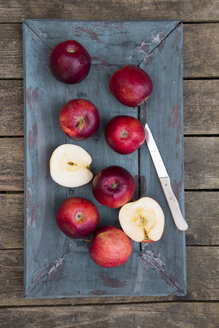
(178,218)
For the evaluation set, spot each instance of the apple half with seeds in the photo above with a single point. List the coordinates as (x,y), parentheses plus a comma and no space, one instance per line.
(142,220)
(70,166)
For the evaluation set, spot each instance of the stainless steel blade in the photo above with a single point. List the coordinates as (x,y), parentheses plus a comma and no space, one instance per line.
(155,154)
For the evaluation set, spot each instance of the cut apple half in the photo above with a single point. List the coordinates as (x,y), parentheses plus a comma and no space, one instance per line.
(142,220)
(69,166)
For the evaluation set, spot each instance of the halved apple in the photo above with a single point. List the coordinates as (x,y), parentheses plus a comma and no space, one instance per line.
(69,166)
(142,220)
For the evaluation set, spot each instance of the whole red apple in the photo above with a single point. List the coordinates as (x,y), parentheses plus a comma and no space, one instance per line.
(79,119)
(113,186)
(131,85)
(110,247)
(77,217)
(124,134)
(70,62)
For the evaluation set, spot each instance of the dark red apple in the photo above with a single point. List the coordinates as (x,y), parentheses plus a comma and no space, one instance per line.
(110,247)
(113,186)
(124,134)
(77,217)
(70,62)
(131,85)
(79,119)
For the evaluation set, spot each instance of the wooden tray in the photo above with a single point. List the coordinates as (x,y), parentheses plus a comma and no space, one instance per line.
(55,265)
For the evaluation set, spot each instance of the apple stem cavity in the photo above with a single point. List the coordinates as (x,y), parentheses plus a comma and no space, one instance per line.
(113,185)
(70,50)
(124,134)
(79,216)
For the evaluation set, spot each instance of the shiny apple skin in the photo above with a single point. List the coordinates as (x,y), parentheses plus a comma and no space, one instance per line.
(70,62)
(124,134)
(131,85)
(113,187)
(110,247)
(79,119)
(77,217)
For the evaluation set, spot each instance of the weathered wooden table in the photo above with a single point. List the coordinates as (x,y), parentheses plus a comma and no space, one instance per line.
(201,73)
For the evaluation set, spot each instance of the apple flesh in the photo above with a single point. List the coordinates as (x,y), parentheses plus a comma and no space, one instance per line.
(70,62)
(110,247)
(124,134)
(77,217)
(79,119)
(113,186)
(142,220)
(69,166)
(131,85)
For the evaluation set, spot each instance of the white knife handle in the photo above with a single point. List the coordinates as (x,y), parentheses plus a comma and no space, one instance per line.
(179,220)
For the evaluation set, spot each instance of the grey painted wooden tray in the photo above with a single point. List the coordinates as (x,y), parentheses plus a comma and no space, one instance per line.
(55,265)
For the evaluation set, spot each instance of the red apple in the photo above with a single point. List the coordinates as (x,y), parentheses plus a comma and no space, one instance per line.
(70,62)
(77,217)
(131,85)
(113,186)
(110,247)
(124,134)
(142,220)
(79,119)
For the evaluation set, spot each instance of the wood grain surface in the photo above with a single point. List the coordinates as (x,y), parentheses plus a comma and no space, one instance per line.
(128,315)
(201,51)
(201,271)
(201,163)
(201,116)
(201,103)
(201,214)
(192,11)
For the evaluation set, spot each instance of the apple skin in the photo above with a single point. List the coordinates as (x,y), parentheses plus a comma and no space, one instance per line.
(131,85)
(70,62)
(124,134)
(110,247)
(77,217)
(79,119)
(113,186)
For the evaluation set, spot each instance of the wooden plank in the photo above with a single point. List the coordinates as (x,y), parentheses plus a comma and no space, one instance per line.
(12,221)
(12,164)
(11,51)
(201,163)
(191,11)
(11,108)
(199,61)
(202,210)
(190,315)
(201,102)
(201,272)
(201,231)
(200,50)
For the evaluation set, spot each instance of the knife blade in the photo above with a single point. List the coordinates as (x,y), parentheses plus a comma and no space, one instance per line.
(172,201)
